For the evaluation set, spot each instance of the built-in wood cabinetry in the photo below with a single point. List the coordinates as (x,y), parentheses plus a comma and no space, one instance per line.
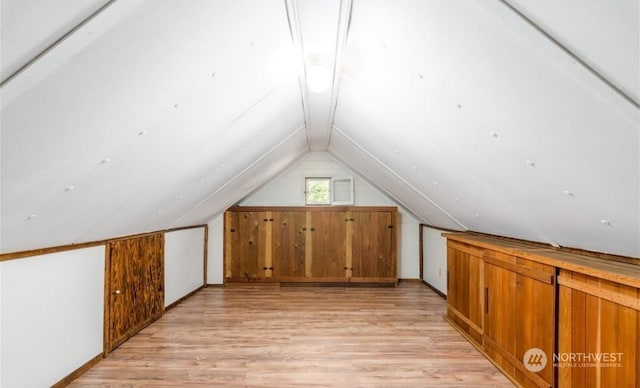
(311,244)
(579,313)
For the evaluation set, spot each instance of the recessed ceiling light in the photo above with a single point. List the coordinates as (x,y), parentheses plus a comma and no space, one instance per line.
(105,160)
(142,133)
(568,193)
(530,163)
(493,134)
(31,217)
(176,105)
(69,188)
(605,222)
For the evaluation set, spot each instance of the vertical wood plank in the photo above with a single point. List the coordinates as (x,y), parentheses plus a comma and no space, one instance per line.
(349,244)
(268,244)
(308,251)
(564,331)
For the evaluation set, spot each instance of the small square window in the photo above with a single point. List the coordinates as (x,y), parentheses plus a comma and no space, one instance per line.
(318,191)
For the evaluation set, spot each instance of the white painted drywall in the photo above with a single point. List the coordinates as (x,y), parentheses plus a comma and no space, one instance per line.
(434,250)
(52,315)
(215,252)
(183,263)
(287,189)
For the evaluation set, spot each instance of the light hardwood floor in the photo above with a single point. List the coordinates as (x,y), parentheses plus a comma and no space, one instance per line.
(263,336)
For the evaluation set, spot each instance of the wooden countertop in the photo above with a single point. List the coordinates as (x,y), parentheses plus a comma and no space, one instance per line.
(624,273)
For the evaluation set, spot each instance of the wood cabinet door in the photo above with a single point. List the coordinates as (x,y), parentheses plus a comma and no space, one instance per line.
(519,316)
(465,292)
(599,318)
(289,239)
(328,254)
(371,241)
(248,246)
(134,287)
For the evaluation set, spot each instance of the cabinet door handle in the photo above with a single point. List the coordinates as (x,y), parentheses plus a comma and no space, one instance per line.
(448,292)
(486,300)
(117,292)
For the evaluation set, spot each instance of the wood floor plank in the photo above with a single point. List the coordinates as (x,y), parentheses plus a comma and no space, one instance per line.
(259,336)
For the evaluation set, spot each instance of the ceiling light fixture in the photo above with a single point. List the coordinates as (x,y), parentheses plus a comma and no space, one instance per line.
(318,78)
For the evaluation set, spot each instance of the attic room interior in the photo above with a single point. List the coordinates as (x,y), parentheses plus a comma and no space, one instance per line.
(323,193)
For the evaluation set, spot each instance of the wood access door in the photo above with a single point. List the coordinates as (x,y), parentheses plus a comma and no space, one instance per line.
(134,287)
(289,244)
(372,245)
(329,252)
(248,248)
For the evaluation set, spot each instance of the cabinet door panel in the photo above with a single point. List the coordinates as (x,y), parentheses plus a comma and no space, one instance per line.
(135,286)
(251,247)
(372,244)
(519,315)
(328,232)
(465,293)
(289,239)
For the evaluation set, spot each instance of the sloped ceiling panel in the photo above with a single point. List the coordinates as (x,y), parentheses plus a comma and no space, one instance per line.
(487,127)
(603,34)
(30,26)
(260,171)
(143,123)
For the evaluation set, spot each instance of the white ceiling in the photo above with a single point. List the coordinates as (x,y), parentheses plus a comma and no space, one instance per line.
(504,117)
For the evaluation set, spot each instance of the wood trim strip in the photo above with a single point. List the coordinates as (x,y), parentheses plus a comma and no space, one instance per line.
(539,381)
(421,253)
(268,249)
(471,250)
(308,246)
(520,269)
(69,247)
(227,246)
(63,382)
(320,208)
(106,345)
(177,302)
(206,255)
(611,296)
(349,245)
(464,319)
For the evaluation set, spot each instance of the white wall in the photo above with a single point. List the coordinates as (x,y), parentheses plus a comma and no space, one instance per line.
(183,263)
(52,315)
(434,250)
(287,189)
(215,253)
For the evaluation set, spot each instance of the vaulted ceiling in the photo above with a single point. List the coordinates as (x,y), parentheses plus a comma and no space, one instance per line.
(508,117)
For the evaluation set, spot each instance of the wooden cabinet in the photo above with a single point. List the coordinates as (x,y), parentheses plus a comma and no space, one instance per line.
(134,287)
(519,314)
(598,333)
(547,318)
(311,244)
(465,292)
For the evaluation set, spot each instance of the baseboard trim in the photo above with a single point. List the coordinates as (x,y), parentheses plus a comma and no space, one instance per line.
(435,289)
(177,302)
(78,372)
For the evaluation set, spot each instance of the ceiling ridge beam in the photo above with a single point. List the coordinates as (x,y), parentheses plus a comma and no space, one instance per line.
(542,41)
(296,38)
(58,41)
(344,25)
(391,171)
(238,175)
